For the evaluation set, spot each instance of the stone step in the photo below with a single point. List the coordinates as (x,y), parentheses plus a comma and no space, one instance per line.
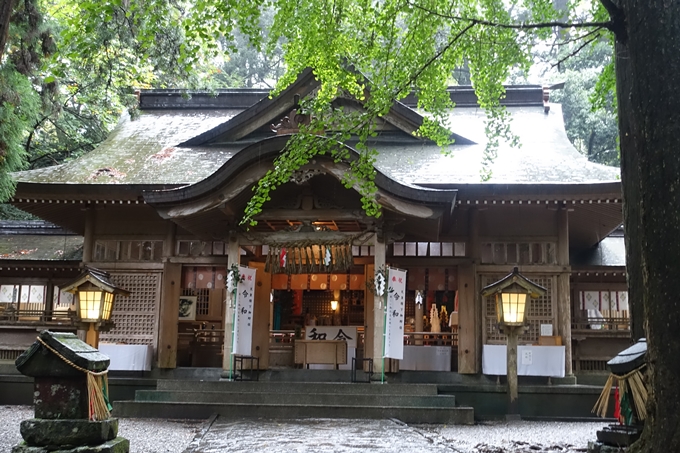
(179,410)
(298,387)
(330,399)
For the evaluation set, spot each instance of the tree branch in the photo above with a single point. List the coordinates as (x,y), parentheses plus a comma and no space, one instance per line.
(436,56)
(521,26)
(571,54)
(618,20)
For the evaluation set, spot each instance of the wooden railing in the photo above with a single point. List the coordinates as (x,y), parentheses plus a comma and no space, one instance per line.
(601,324)
(33,317)
(431,339)
(281,337)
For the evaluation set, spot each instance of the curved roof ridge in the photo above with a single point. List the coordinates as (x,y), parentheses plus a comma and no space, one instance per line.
(269,148)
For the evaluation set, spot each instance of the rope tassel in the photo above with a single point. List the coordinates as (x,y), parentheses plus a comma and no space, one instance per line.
(633,381)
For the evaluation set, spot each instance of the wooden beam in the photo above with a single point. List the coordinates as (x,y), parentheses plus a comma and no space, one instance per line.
(312,214)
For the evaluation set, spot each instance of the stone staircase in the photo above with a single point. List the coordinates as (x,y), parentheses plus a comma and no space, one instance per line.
(410,403)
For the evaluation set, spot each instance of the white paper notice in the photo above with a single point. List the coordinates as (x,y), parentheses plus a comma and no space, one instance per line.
(527,358)
(546,330)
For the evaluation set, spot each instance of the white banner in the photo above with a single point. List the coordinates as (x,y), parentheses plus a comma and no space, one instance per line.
(245,300)
(394,329)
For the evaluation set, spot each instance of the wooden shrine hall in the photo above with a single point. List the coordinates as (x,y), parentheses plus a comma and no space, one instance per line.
(158,205)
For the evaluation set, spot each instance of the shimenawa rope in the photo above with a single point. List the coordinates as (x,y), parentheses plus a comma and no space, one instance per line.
(97,388)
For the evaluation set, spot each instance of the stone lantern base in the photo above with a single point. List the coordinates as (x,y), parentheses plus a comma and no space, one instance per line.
(117,445)
(71,436)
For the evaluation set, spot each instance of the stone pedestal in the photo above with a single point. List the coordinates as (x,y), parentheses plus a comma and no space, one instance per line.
(61,423)
(117,445)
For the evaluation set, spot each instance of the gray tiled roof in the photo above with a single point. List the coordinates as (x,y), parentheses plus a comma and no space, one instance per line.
(41,247)
(610,251)
(143,152)
(38,240)
(545,156)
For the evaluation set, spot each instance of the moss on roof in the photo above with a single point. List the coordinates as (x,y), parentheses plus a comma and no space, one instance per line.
(144,151)
(41,247)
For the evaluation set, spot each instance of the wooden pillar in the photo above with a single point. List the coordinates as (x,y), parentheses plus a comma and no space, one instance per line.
(379,310)
(261,318)
(467,321)
(369,273)
(470,322)
(169,244)
(234,257)
(92,337)
(511,372)
(49,295)
(563,291)
(88,240)
(169,315)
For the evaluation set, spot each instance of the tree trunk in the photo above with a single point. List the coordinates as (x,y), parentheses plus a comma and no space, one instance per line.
(648,75)
(631,194)
(6,8)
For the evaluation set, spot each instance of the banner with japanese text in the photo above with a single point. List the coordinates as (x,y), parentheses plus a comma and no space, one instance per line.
(394,320)
(245,301)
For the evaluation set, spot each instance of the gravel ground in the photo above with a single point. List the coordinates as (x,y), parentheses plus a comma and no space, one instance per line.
(145,435)
(523,436)
(337,436)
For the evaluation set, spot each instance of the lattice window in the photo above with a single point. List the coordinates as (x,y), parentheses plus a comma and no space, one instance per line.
(128,250)
(428,249)
(202,299)
(519,253)
(541,311)
(135,316)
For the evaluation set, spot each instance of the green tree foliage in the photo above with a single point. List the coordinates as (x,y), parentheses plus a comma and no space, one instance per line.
(591,126)
(248,66)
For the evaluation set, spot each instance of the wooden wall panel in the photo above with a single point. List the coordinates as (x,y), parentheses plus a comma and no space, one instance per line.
(357,282)
(339,281)
(318,281)
(298,281)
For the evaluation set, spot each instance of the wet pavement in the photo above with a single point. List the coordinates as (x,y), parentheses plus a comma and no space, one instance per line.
(350,436)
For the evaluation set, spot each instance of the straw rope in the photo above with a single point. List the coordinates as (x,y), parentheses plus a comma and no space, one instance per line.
(633,381)
(97,388)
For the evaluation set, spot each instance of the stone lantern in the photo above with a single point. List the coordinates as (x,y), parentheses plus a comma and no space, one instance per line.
(68,375)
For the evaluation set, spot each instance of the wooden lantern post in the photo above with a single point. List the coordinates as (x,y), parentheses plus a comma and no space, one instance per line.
(513,294)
